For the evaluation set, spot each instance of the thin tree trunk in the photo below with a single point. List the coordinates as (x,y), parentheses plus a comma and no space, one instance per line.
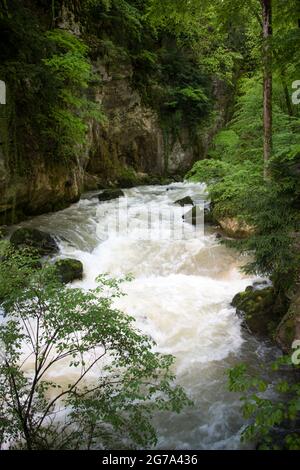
(268,88)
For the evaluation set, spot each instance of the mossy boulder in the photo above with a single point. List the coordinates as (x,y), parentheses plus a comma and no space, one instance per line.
(288,330)
(110,194)
(69,270)
(257,308)
(186,201)
(41,242)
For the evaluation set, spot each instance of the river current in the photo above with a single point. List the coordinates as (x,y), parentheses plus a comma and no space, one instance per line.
(180,295)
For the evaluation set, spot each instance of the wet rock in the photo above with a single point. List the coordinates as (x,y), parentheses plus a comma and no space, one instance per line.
(257,308)
(186,201)
(69,270)
(43,243)
(110,194)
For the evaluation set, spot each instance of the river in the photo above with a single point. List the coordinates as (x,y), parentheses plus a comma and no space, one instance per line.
(180,295)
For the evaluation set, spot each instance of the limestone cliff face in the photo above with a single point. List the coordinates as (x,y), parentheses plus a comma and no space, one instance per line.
(30,184)
(132,138)
(39,188)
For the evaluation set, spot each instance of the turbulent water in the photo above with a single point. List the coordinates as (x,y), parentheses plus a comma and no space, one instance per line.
(181,293)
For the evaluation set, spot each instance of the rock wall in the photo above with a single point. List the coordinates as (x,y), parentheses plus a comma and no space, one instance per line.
(131,140)
(133,137)
(31,184)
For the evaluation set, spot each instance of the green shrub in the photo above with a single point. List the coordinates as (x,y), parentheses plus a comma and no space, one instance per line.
(49,326)
(270,404)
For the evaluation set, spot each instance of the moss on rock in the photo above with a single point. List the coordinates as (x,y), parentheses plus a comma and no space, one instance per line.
(69,270)
(257,307)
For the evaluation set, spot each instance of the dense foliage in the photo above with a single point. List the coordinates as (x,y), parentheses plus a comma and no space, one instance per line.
(271,413)
(49,76)
(168,69)
(47,73)
(115,381)
(235,168)
(266,198)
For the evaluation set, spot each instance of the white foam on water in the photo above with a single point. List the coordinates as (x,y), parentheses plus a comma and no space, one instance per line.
(180,296)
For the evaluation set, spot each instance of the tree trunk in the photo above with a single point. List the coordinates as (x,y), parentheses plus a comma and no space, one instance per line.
(267,63)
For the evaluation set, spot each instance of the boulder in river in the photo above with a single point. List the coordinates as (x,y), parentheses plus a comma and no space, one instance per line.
(186,201)
(69,270)
(257,308)
(43,243)
(110,194)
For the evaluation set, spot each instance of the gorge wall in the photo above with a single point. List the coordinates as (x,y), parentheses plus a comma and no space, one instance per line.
(130,144)
(137,142)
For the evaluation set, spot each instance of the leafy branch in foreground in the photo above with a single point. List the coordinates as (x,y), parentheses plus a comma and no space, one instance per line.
(271,406)
(75,373)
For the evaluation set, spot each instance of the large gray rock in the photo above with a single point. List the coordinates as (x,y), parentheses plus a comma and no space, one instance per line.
(41,242)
